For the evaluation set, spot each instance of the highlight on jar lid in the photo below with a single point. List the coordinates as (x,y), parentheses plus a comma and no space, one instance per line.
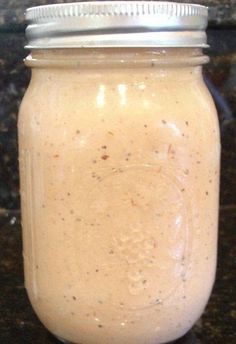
(117,24)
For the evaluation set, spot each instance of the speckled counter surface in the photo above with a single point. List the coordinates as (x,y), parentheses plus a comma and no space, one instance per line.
(19,324)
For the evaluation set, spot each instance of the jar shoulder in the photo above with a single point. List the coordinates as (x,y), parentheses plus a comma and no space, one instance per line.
(165,105)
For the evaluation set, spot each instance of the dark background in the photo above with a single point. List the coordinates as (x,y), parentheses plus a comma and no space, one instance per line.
(18,324)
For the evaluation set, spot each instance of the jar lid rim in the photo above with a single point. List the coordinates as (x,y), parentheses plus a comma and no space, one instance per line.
(117,23)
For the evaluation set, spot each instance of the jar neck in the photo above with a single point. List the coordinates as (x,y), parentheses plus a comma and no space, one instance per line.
(117,57)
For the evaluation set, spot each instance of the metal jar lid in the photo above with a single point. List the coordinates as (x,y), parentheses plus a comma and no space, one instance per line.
(117,24)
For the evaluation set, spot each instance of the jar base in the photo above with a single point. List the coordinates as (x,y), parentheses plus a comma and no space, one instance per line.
(66,341)
(63,340)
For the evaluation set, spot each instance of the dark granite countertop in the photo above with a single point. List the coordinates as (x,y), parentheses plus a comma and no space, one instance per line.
(19,324)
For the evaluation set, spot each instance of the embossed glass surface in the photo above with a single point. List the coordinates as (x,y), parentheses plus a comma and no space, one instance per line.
(119,156)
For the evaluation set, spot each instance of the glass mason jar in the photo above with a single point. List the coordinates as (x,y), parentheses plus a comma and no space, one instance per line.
(119,166)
